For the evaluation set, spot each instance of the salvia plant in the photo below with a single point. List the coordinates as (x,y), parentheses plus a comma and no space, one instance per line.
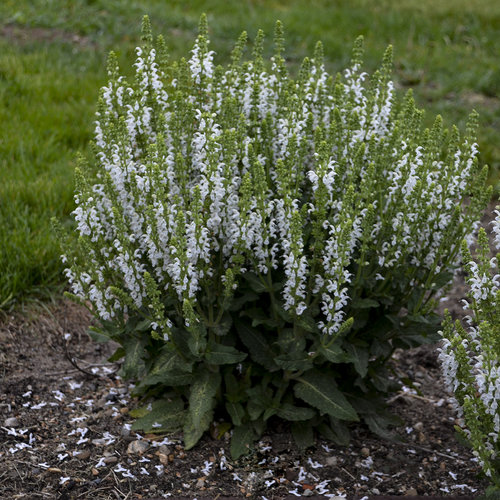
(258,244)
(470,355)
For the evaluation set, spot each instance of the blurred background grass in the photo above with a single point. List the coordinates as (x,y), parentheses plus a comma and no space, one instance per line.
(52,63)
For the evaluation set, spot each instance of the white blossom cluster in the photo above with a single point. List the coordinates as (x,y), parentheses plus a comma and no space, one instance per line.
(470,356)
(204,170)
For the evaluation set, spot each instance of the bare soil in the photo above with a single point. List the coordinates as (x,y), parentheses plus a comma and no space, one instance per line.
(65,433)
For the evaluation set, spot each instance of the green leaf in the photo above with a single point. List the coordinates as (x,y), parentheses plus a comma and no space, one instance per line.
(301,364)
(243,437)
(224,326)
(333,353)
(303,434)
(133,366)
(256,343)
(117,355)
(202,395)
(139,412)
(196,342)
(219,354)
(164,416)
(238,302)
(364,303)
(337,432)
(98,335)
(193,433)
(307,323)
(236,412)
(358,356)
(169,369)
(379,424)
(295,413)
(320,392)
(255,282)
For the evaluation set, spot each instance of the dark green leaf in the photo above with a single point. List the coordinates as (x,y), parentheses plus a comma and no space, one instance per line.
(333,353)
(320,392)
(238,302)
(202,395)
(164,416)
(358,356)
(169,369)
(255,282)
(133,366)
(197,341)
(307,323)
(193,433)
(218,354)
(98,335)
(256,343)
(236,412)
(336,431)
(364,303)
(243,437)
(301,364)
(303,434)
(295,413)
(379,426)
(117,355)
(224,326)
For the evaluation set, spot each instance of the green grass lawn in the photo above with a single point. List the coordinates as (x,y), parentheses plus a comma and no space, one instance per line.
(52,63)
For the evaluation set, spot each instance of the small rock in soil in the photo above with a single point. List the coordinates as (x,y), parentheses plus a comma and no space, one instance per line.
(137,447)
(11,422)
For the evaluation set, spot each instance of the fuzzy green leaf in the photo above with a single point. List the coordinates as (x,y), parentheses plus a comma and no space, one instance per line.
(243,437)
(303,435)
(358,356)
(256,343)
(364,303)
(300,364)
(320,392)
(133,366)
(192,432)
(164,416)
(219,354)
(336,431)
(295,413)
(255,282)
(236,412)
(170,369)
(333,353)
(202,395)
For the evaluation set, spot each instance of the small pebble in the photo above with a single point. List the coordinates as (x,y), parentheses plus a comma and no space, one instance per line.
(83,455)
(11,422)
(365,452)
(110,460)
(137,447)
(419,426)
(412,492)
(332,461)
(164,449)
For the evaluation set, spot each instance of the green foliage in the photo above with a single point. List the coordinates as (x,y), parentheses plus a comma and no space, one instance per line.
(259,245)
(470,357)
